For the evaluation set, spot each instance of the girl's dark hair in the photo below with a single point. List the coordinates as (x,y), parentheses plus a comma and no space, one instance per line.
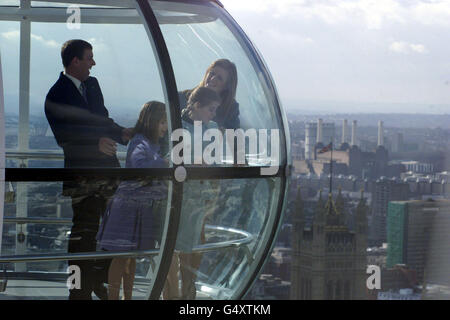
(203,96)
(73,48)
(148,123)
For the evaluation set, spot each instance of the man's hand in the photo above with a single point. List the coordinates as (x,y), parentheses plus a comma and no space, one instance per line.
(107,146)
(126,134)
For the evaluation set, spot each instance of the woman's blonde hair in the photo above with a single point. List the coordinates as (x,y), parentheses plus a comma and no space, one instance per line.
(228,95)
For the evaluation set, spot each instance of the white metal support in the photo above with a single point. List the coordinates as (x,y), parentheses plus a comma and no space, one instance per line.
(2,152)
(24,85)
(24,127)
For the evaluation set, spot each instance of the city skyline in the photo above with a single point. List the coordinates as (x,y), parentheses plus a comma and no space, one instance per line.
(360,56)
(357,73)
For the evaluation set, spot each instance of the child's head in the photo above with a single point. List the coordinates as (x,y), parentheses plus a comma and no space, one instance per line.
(202,104)
(152,122)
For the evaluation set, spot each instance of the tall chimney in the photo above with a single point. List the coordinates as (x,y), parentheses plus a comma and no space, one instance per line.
(353,142)
(380,133)
(319,131)
(310,140)
(344,130)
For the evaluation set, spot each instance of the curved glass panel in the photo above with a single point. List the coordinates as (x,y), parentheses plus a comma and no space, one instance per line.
(224,229)
(9,46)
(76,212)
(229,117)
(199,37)
(39,223)
(125,86)
(60,125)
(2,149)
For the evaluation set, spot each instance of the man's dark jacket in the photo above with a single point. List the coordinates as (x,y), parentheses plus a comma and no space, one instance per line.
(78,124)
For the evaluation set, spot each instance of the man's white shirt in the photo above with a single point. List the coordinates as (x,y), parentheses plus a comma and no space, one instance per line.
(75,81)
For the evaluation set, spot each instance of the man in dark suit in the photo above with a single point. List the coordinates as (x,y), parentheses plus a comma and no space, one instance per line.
(80,122)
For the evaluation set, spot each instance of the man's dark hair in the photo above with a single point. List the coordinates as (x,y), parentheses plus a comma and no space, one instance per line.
(73,48)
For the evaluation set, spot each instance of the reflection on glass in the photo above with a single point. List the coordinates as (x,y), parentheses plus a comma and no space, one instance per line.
(90,110)
(9,44)
(221,77)
(223,224)
(112,69)
(97,90)
(204,51)
(130,222)
(41,222)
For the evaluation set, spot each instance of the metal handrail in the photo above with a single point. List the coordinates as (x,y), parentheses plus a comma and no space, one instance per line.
(45,154)
(248,238)
(76,256)
(58,154)
(23,220)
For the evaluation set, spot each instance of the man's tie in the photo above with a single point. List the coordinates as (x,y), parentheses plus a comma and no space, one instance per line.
(83,91)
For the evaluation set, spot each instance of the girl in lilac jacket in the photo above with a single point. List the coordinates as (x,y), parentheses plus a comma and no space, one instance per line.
(129,222)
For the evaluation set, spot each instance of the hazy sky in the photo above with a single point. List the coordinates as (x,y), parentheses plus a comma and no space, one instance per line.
(324,55)
(383,55)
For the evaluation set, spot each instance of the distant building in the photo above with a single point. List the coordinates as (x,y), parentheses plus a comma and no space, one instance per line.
(403,294)
(279,264)
(329,260)
(418,167)
(436,292)
(317,133)
(297,150)
(377,256)
(383,191)
(398,277)
(397,142)
(397,283)
(348,159)
(419,237)
(310,140)
(269,287)
(435,185)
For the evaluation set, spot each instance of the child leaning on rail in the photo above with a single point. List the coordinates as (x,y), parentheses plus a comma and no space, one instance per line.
(198,195)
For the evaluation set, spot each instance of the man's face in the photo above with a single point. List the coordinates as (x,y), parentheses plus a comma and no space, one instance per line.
(84,65)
